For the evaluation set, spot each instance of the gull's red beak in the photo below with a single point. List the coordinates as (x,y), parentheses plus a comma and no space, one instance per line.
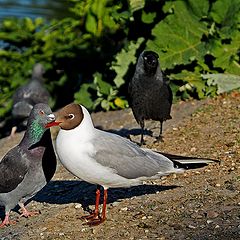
(52,124)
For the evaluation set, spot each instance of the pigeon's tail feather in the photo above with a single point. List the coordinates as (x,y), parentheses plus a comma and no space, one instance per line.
(189,162)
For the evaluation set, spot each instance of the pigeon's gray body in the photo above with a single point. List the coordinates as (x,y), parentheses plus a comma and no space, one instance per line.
(30,94)
(149,92)
(27,167)
(22,174)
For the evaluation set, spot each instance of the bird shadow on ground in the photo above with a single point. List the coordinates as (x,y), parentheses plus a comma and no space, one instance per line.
(75,191)
(124,132)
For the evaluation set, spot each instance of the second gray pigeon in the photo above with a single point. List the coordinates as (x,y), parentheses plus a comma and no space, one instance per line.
(149,92)
(28,95)
(27,167)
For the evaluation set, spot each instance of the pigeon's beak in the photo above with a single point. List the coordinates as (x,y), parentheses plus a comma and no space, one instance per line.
(51,117)
(51,121)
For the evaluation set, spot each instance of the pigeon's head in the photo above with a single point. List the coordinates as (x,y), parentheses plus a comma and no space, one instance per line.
(38,71)
(68,117)
(150,61)
(40,116)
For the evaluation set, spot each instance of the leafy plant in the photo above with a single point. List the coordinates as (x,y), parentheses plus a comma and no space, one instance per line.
(90,56)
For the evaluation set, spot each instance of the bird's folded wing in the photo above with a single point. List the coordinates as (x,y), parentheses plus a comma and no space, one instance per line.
(127,159)
(13,168)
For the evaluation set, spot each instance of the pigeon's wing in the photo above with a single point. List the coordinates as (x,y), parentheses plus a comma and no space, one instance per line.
(127,159)
(13,168)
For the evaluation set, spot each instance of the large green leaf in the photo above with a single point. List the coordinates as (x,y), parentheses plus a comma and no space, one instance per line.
(123,60)
(224,82)
(177,38)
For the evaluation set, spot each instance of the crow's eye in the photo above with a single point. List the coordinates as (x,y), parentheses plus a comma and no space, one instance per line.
(71,116)
(41,112)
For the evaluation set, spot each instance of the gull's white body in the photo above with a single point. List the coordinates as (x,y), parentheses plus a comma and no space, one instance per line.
(107,159)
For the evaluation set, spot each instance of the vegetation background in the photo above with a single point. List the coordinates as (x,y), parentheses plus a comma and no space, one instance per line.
(96,49)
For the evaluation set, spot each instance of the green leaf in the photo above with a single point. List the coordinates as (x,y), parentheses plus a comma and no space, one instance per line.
(224,82)
(91,24)
(103,87)
(123,60)
(193,82)
(227,55)
(136,5)
(226,13)
(198,8)
(177,38)
(148,17)
(83,96)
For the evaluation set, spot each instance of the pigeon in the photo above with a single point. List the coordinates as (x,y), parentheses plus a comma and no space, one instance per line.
(28,95)
(150,95)
(27,167)
(106,159)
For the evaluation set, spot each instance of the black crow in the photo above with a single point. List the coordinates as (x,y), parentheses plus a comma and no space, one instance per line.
(149,92)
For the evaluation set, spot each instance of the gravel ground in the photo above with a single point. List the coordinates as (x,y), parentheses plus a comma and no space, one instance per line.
(198,204)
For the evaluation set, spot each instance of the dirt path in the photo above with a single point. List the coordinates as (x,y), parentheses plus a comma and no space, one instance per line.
(199,204)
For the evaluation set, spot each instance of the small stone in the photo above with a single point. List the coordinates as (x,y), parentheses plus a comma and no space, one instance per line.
(124,209)
(209,221)
(191,226)
(193,149)
(175,129)
(146,231)
(78,206)
(217,226)
(114,204)
(149,217)
(212,214)
(144,217)
(218,185)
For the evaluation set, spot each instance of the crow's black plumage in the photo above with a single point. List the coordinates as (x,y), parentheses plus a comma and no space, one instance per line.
(149,92)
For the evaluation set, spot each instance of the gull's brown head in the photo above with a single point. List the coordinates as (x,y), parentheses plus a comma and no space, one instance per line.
(68,117)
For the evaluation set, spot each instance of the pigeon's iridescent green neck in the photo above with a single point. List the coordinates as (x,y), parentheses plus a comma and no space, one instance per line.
(36,131)
(33,134)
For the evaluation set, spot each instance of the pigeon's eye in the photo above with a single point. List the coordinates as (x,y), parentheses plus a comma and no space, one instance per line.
(71,116)
(41,112)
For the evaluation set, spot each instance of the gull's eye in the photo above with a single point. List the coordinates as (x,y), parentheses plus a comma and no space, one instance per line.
(41,112)
(71,116)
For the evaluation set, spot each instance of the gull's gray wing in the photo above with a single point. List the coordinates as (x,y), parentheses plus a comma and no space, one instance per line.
(127,159)
(13,168)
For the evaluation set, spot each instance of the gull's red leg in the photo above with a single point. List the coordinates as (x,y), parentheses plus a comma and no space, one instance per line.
(100,219)
(94,214)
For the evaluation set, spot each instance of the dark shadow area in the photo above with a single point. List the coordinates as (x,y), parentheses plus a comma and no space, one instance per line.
(124,132)
(64,192)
